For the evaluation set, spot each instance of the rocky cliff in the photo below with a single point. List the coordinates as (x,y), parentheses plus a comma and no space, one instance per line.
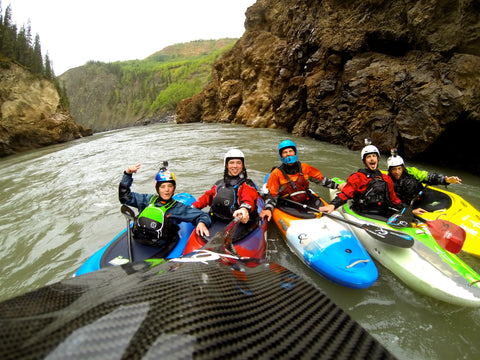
(30,112)
(404,73)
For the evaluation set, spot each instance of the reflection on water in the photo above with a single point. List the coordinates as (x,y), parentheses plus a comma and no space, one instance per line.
(58,205)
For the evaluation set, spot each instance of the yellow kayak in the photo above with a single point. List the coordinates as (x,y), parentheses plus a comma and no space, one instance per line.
(443,204)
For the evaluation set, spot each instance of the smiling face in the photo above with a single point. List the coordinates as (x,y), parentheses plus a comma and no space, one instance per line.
(371,161)
(166,190)
(234,167)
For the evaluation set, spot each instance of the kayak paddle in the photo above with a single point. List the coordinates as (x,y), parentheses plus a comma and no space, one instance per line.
(130,216)
(448,235)
(224,237)
(392,237)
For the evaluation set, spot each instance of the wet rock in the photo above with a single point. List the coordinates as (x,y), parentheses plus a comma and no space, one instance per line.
(402,73)
(31,115)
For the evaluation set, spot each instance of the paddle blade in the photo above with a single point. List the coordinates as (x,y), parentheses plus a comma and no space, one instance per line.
(448,235)
(228,233)
(222,238)
(128,212)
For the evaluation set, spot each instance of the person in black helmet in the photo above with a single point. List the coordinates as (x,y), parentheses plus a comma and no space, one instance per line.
(160,209)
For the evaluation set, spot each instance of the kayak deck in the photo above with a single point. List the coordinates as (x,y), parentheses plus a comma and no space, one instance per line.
(425,267)
(252,244)
(328,247)
(456,210)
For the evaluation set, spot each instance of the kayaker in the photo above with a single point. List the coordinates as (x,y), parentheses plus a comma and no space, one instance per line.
(408,181)
(372,192)
(235,195)
(159,214)
(291,180)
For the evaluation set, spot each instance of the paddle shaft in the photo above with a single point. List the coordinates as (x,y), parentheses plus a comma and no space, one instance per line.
(326,214)
(379,233)
(128,215)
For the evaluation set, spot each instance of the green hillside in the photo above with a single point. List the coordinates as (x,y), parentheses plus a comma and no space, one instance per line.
(110,95)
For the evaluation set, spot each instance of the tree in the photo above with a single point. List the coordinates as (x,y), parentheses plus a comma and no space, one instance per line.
(37,61)
(48,68)
(9,34)
(22,48)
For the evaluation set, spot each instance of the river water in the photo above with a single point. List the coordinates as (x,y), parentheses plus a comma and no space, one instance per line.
(59,204)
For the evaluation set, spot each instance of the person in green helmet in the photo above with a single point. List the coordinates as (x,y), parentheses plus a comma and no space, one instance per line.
(408,182)
(159,214)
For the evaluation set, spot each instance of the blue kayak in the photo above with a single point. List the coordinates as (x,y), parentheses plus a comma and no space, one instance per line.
(116,252)
(327,246)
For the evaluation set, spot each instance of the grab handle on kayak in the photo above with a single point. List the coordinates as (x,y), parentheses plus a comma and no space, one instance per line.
(357,262)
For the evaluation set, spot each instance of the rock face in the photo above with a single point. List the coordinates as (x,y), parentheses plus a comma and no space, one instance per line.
(404,73)
(90,91)
(31,115)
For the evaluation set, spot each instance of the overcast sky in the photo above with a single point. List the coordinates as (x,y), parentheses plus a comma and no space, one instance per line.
(74,32)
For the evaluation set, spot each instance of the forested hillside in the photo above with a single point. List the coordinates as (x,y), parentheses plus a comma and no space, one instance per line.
(106,96)
(33,107)
(18,44)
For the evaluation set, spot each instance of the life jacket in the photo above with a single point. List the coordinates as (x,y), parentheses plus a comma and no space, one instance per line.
(296,190)
(407,187)
(376,197)
(152,227)
(225,201)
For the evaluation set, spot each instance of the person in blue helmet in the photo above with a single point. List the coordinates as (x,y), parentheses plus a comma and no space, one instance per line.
(291,180)
(160,209)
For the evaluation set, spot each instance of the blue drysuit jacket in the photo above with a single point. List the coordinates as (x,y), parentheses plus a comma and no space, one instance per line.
(178,213)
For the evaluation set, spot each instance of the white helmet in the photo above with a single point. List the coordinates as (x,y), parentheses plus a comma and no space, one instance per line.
(395,159)
(370,149)
(233,154)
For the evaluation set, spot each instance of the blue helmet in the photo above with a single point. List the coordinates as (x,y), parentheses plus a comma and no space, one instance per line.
(289,159)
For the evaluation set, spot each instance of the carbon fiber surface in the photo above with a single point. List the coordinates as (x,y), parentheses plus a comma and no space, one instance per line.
(214,309)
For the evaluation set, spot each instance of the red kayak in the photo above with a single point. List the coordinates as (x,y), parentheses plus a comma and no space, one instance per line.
(248,242)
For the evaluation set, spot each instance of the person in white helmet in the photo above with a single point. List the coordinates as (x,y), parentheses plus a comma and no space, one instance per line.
(408,181)
(235,195)
(372,192)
